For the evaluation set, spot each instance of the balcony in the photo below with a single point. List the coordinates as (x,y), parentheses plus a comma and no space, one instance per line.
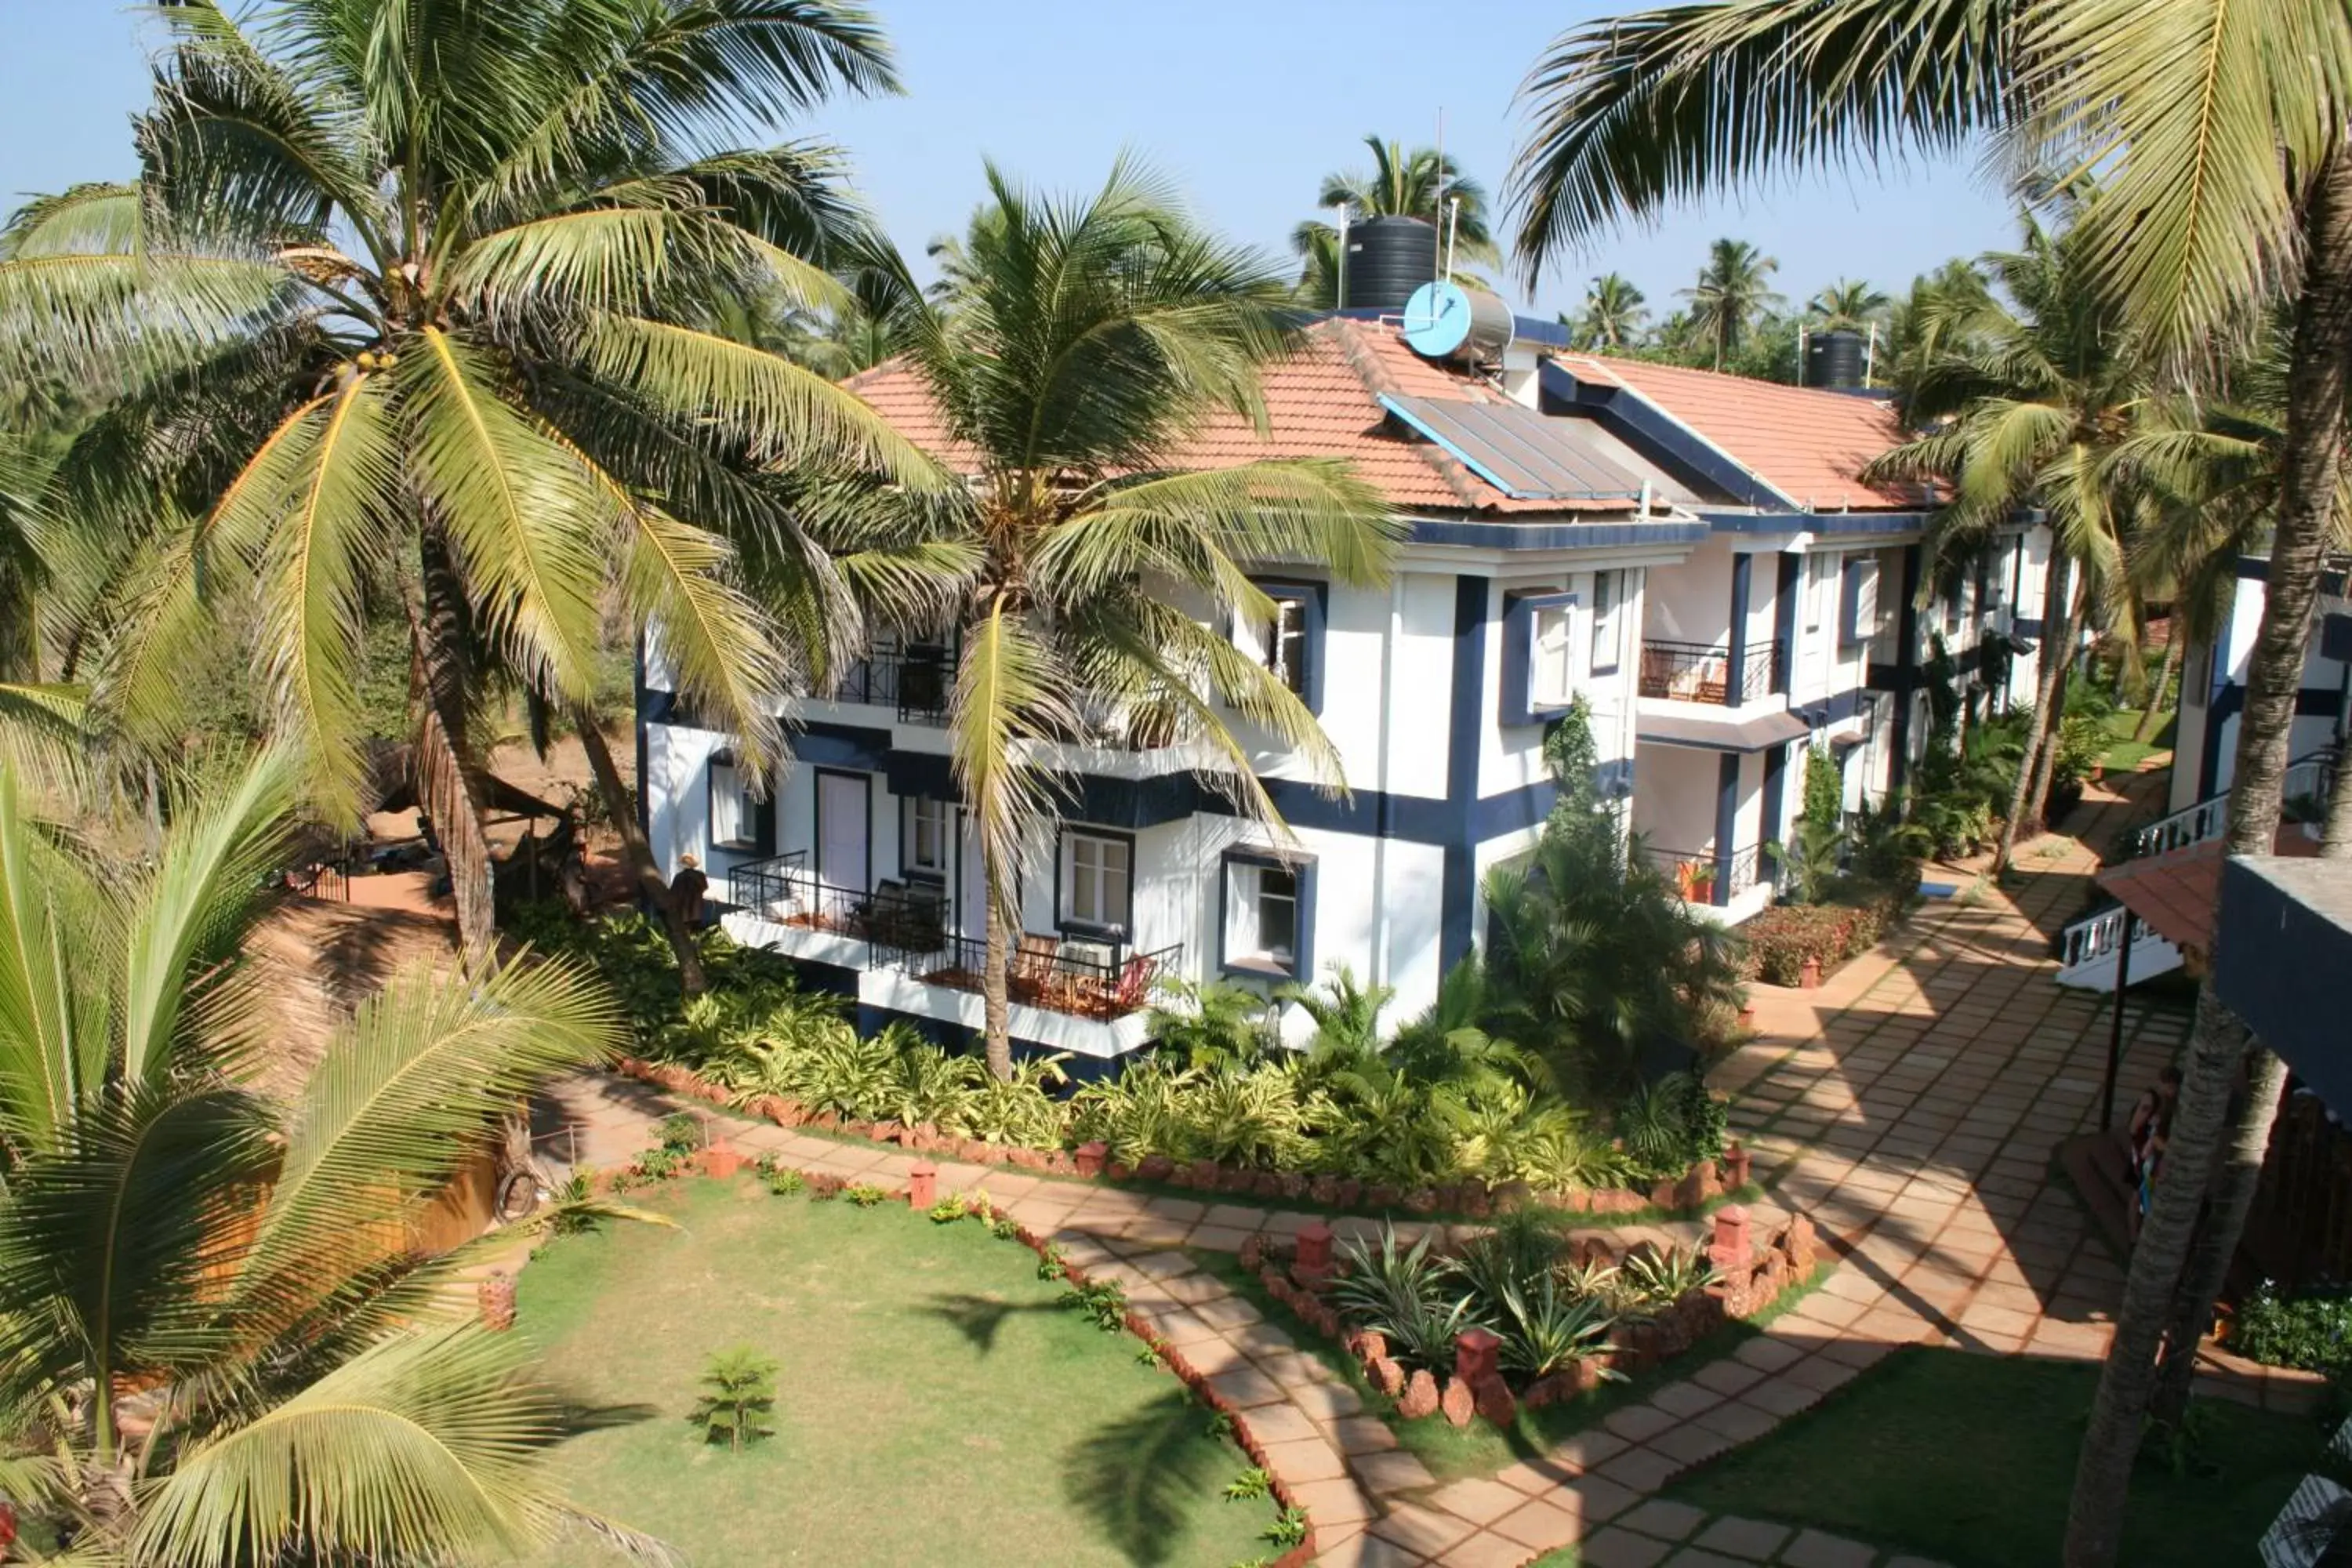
(1695,673)
(1699,878)
(917,680)
(899,929)
(1098,981)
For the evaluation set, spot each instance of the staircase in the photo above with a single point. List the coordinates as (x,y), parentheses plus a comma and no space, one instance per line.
(2090,950)
(2305,778)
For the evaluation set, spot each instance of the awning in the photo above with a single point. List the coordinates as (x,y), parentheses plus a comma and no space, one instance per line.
(2290,925)
(2175,895)
(1707,732)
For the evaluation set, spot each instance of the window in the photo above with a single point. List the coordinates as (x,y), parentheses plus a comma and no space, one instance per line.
(1952,610)
(1608,591)
(734,813)
(1095,873)
(1552,681)
(1818,570)
(926,827)
(1538,674)
(1291,645)
(1286,649)
(1267,904)
(1858,612)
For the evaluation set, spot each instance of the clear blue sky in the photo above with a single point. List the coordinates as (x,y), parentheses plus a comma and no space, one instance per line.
(1248,103)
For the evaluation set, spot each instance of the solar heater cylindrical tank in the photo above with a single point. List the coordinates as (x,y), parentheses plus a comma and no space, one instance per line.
(1446,320)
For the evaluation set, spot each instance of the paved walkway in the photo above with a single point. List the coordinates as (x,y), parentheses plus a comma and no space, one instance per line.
(1913,1107)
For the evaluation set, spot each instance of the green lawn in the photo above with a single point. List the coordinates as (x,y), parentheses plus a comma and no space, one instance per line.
(2124,754)
(937,1406)
(1969,1459)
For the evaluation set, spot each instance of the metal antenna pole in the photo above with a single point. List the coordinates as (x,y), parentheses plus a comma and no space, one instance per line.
(1440,174)
(1341,302)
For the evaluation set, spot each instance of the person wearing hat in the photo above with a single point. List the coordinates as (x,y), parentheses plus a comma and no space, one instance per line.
(688,893)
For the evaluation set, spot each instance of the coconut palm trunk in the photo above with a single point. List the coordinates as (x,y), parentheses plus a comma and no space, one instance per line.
(619,811)
(2067,642)
(2312,469)
(2046,686)
(996,977)
(2153,720)
(447,772)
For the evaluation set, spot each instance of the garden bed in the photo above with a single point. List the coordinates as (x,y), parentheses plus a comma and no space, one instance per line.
(938,1400)
(1701,1188)
(1464,1420)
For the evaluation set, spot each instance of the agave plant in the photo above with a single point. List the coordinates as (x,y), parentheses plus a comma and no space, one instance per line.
(1545,1328)
(1405,1296)
(1651,1282)
(1523,1247)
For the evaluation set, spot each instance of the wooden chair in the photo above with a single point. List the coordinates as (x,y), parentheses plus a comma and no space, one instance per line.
(1134,986)
(1033,965)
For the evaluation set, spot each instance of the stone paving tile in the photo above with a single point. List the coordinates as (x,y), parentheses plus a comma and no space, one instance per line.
(1753,1539)
(1666,1521)
(1614,1548)
(1485,1550)
(1368,1551)
(1421,1530)
(1393,1472)
(1817,1549)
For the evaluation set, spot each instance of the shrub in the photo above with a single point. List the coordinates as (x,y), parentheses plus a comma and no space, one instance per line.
(2313,1331)
(1672,1124)
(1101,1301)
(1781,938)
(680,1132)
(865,1195)
(738,1390)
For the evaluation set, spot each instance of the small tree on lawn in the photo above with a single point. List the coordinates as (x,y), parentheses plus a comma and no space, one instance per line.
(738,1390)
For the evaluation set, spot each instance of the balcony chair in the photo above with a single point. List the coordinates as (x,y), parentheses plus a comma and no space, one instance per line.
(1032,966)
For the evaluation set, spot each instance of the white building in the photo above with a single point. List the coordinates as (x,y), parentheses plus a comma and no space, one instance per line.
(2213,686)
(1578,527)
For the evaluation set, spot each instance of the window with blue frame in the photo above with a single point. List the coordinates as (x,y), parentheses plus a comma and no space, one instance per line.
(1266,910)
(1538,674)
(1291,645)
(1858,614)
(734,810)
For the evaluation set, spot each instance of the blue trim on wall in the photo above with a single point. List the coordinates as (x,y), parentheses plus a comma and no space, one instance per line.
(1776,769)
(1553,536)
(1458,885)
(1727,823)
(2336,637)
(1907,668)
(1788,586)
(1735,677)
(1838,522)
(2229,699)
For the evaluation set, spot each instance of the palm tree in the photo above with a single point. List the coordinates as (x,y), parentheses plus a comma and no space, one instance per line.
(1084,340)
(224,1348)
(2027,407)
(2217,130)
(1730,293)
(501,409)
(1849,304)
(1613,314)
(1401,183)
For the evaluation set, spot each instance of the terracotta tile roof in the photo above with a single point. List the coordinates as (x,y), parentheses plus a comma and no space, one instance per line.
(1806,443)
(1323,403)
(2176,894)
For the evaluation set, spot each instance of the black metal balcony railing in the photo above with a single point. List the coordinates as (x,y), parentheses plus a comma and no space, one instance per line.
(1695,672)
(785,891)
(1086,980)
(1701,878)
(916,681)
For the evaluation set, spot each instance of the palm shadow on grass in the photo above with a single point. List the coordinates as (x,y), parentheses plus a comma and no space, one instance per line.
(979,1319)
(1136,1476)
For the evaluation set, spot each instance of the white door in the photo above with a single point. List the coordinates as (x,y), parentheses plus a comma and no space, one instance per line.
(971,909)
(843,801)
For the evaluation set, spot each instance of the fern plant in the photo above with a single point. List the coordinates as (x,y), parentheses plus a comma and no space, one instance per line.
(739,1391)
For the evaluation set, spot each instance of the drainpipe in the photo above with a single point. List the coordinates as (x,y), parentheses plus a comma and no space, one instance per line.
(1380,771)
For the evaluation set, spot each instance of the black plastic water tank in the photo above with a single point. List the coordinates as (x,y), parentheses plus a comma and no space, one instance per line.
(1833,358)
(1388,258)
